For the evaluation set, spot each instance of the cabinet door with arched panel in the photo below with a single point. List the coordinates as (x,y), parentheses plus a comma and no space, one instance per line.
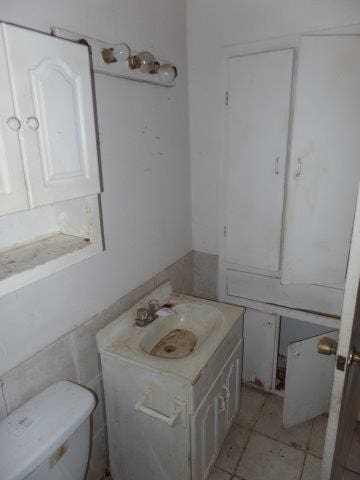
(52,90)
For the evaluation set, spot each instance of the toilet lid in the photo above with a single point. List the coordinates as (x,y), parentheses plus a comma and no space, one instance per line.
(35,430)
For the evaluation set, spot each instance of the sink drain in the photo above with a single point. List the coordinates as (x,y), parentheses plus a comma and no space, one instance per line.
(176,344)
(169,348)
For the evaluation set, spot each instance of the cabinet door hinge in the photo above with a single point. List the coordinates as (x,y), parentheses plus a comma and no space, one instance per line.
(225,231)
(226,98)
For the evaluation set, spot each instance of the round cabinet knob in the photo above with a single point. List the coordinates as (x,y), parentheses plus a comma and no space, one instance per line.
(14,123)
(33,123)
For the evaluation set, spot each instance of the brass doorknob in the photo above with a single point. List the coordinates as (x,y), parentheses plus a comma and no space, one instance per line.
(354,357)
(327,346)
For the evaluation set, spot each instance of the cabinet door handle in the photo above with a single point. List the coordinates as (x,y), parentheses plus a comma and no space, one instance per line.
(222,404)
(227,393)
(298,168)
(32,123)
(277,165)
(14,123)
(179,411)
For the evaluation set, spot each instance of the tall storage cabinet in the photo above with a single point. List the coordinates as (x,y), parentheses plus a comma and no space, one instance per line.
(289,220)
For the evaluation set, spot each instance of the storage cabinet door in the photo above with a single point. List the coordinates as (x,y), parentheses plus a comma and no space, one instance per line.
(13,194)
(324,167)
(51,84)
(232,385)
(205,427)
(309,378)
(261,338)
(259,88)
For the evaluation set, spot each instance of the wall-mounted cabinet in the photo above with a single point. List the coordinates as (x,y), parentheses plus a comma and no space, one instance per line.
(292,179)
(49,178)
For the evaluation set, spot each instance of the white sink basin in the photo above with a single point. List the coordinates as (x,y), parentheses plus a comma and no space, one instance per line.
(182,332)
(203,325)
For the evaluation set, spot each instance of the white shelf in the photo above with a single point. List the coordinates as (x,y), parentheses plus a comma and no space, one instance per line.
(31,255)
(69,232)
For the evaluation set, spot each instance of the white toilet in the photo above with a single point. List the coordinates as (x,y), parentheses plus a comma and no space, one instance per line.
(48,438)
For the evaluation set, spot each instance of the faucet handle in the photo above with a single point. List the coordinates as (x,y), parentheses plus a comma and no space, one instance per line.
(142,313)
(154,305)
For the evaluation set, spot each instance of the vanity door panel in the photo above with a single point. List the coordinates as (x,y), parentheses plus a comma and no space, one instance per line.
(51,84)
(206,426)
(232,385)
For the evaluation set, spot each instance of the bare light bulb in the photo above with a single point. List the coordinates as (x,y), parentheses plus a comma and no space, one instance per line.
(166,73)
(121,52)
(147,61)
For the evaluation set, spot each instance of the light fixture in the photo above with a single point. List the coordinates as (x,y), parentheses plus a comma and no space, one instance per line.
(166,73)
(120,53)
(145,62)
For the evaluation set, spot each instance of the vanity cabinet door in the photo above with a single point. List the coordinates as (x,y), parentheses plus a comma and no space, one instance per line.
(13,194)
(232,385)
(206,426)
(52,90)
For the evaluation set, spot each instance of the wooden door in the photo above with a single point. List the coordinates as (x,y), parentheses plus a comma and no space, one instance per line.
(206,428)
(51,85)
(13,193)
(259,90)
(309,378)
(324,165)
(345,398)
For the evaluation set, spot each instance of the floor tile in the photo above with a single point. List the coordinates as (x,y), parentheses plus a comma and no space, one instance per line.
(232,449)
(312,468)
(350,476)
(354,455)
(217,474)
(251,403)
(317,438)
(270,423)
(268,459)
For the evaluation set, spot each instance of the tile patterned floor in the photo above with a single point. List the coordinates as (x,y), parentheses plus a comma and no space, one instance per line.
(258,448)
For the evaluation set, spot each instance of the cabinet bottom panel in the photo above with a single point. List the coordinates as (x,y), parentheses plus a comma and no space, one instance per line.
(314,298)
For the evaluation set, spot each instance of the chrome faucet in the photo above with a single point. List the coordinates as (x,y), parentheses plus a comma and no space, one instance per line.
(144,315)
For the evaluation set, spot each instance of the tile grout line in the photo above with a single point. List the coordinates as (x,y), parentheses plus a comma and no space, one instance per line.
(307,448)
(252,430)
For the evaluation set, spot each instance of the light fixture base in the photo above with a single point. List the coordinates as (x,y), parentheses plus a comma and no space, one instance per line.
(108,55)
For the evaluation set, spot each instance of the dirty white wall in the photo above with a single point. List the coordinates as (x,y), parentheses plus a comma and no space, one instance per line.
(212,25)
(145,165)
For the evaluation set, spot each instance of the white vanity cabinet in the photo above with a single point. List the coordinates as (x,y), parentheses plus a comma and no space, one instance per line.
(289,220)
(48,142)
(168,418)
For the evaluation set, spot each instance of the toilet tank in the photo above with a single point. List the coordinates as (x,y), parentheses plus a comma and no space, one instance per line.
(48,438)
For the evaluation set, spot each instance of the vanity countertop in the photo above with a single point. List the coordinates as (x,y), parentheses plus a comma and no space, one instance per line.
(122,338)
